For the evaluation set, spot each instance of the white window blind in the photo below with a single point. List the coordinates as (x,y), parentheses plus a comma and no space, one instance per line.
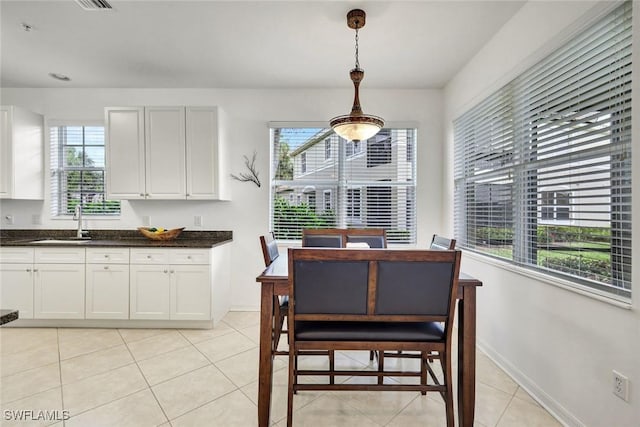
(543,165)
(78,171)
(343,184)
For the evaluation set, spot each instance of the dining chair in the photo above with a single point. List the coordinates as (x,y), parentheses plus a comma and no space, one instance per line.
(373,299)
(323,238)
(373,237)
(280,304)
(439,242)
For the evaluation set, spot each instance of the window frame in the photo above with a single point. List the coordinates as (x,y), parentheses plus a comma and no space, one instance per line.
(57,171)
(520,172)
(346,170)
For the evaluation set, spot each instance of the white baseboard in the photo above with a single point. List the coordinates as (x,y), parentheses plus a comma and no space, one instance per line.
(552,406)
(244,308)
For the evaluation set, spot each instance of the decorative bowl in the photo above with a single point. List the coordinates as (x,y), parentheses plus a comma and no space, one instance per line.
(164,235)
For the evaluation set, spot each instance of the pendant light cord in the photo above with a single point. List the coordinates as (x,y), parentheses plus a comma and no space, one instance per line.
(357,61)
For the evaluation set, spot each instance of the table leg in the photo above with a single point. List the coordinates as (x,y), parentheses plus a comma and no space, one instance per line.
(265,369)
(467,357)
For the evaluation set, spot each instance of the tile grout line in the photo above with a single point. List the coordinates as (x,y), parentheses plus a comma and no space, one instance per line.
(506,407)
(119,398)
(193,370)
(64,422)
(143,377)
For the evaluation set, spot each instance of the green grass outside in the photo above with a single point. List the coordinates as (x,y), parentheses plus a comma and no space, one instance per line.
(507,252)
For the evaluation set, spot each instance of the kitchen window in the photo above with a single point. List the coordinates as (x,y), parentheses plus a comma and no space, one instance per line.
(542,166)
(78,171)
(351,192)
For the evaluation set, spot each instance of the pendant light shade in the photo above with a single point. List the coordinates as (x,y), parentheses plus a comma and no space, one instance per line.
(356,126)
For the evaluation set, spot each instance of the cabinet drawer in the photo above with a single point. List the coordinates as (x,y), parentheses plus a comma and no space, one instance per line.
(149,256)
(17,255)
(60,255)
(189,256)
(107,256)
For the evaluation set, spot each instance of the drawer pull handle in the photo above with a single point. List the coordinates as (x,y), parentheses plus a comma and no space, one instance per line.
(35,270)
(148,256)
(165,271)
(28,270)
(171,271)
(188,256)
(106,255)
(106,267)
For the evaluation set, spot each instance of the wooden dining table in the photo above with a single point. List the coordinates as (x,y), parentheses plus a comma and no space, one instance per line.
(274,282)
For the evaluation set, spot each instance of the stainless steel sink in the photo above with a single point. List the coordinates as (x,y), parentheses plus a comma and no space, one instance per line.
(61,242)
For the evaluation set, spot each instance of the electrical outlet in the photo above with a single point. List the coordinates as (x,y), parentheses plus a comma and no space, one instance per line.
(621,386)
(146,221)
(8,219)
(197,220)
(36,219)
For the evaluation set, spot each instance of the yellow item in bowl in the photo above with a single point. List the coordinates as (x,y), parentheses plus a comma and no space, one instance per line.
(159,233)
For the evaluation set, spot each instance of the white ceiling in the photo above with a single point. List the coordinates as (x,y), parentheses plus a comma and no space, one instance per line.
(242,44)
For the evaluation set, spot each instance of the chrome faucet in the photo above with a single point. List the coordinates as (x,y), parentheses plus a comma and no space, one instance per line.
(77,215)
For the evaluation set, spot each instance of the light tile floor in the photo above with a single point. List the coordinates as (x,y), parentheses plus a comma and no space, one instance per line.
(176,377)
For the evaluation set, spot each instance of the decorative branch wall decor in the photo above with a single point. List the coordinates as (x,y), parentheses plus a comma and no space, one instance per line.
(252,175)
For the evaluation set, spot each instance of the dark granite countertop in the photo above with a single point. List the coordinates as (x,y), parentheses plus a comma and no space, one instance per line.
(113,238)
(7,316)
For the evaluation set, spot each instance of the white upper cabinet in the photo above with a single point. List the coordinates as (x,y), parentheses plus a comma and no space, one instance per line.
(21,154)
(178,153)
(203,151)
(124,137)
(165,152)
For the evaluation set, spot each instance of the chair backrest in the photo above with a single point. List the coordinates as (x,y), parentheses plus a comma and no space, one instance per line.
(339,237)
(373,284)
(323,238)
(269,248)
(442,243)
(374,237)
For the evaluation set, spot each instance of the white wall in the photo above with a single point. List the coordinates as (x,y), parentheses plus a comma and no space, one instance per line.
(560,345)
(247,113)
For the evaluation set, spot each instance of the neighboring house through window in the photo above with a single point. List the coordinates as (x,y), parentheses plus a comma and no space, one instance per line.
(379,149)
(78,171)
(355,185)
(303,163)
(327,148)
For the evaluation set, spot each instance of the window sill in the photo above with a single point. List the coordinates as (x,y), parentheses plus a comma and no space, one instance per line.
(568,285)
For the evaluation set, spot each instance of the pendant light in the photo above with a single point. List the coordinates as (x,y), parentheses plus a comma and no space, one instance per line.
(356,126)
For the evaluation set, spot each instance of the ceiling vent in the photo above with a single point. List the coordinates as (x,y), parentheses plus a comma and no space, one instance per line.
(94,4)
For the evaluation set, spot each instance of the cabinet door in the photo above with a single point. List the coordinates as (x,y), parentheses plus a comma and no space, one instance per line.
(16,288)
(5,153)
(150,290)
(190,292)
(107,288)
(21,154)
(203,160)
(125,162)
(165,152)
(59,291)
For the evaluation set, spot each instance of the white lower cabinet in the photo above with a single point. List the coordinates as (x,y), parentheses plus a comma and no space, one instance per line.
(190,290)
(170,284)
(16,280)
(115,283)
(58,287)
(107,284)
(150,291)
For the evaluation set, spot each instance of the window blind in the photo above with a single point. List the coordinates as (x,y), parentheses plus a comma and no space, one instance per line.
(542,166)
(319,180)
(78,171)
